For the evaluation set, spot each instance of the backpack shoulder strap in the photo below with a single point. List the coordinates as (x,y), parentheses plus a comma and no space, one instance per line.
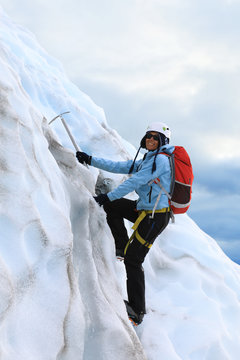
(158,182)
(172,167)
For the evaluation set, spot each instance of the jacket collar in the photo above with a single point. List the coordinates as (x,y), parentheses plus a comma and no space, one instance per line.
(165,148)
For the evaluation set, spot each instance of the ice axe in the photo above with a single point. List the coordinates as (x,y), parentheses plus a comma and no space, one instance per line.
(67,129)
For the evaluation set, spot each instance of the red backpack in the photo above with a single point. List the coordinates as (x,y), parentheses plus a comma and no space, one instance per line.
(182,179)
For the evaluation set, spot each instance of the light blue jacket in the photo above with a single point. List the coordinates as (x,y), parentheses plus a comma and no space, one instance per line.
(141,176)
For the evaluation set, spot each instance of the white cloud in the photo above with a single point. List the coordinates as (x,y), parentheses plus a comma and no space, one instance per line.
(222,147)
(136,45)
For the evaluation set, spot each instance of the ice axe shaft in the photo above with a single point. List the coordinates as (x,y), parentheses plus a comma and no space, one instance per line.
(69,133)
(67,129)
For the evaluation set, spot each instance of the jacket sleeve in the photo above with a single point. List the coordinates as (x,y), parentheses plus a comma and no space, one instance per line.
(140,178)
(118,167)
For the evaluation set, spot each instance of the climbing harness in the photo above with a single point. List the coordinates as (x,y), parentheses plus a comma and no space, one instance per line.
(142,215)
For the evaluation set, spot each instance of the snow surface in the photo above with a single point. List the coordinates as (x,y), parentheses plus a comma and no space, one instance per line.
(61,287)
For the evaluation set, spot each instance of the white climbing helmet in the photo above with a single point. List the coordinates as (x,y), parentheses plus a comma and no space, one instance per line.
(161,128)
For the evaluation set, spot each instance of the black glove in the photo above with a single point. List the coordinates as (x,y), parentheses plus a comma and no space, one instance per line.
(101,199)
(83,157)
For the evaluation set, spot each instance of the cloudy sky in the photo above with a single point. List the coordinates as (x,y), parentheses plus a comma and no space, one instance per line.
(176,61)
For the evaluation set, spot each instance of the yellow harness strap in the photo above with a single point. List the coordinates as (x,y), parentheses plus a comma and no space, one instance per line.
(142,215)
(141,240)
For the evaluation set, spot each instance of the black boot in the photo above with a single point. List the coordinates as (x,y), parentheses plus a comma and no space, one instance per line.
(133,316)
(120,254)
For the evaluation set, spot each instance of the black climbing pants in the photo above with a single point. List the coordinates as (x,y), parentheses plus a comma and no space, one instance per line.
(148,229)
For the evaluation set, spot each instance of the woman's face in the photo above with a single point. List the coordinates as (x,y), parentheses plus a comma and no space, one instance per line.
(152,140)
